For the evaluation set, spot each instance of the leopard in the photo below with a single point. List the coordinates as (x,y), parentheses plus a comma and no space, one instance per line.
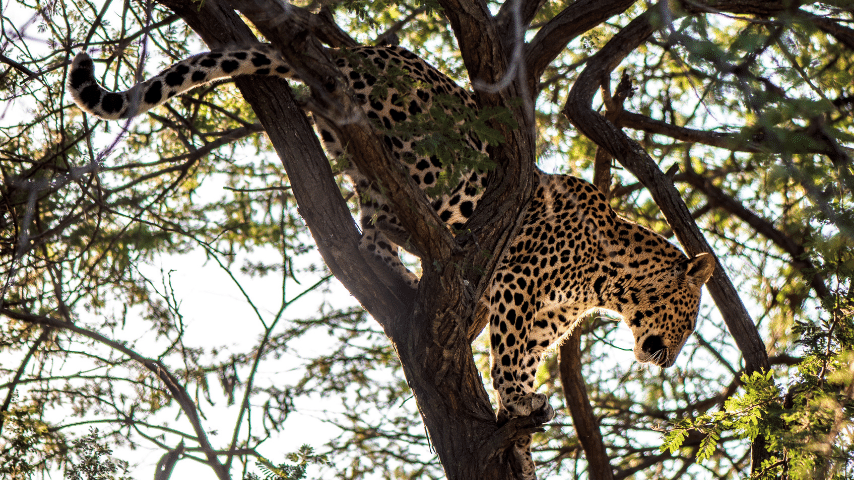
(573,253)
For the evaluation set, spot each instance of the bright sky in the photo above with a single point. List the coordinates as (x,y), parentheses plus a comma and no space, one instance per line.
(217,314)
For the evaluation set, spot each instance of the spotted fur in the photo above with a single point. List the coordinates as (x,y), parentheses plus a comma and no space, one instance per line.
(382,100)
(572,255)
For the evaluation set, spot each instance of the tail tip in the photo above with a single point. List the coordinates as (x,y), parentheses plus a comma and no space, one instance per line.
(82,61)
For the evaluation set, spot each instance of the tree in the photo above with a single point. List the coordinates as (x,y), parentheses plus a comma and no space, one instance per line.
(746,105)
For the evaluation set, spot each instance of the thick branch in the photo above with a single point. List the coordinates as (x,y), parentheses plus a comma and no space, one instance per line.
(750,7)
(497,83)
(574,20)
(728,141)
(327,31)
(506,19)
(430,338)
(502,205)
(634,158)
(480,42)
(614,109)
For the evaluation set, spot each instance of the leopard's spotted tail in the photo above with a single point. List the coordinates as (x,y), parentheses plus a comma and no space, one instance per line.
(180,77)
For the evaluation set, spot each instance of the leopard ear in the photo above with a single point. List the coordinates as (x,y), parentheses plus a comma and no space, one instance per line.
(697,270)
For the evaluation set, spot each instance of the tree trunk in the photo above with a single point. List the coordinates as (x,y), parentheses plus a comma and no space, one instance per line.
(429,331)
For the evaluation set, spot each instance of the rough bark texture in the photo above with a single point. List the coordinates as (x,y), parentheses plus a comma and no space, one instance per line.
(296,144)
(430,336)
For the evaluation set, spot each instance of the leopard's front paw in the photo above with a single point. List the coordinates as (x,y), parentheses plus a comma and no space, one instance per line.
(529,404)
(543,414)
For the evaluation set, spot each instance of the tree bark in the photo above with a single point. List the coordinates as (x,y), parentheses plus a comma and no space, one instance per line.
(430,328)
(428,331)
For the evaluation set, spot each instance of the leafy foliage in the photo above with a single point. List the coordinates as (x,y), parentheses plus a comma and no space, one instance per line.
(95,460)
(443,132)
(304,457)
(808,424)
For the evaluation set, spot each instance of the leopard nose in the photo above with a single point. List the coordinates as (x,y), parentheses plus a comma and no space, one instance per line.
(652,345)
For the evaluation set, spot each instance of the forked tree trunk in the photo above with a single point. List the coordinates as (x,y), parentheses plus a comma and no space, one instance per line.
(428,329)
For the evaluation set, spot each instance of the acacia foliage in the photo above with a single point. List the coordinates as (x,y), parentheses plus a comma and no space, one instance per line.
(752,104)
